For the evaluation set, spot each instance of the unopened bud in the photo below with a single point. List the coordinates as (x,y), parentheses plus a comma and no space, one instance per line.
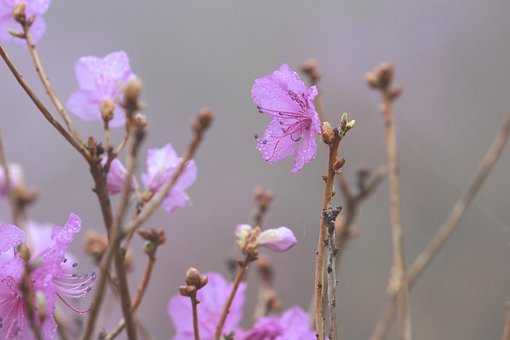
(328,133)
(195,278)
(338,164)
(381,77)
(263,197)
(204,120)
(132,93)
(107,108)
(95,244)
(187,290)
(311,69)
(19,13)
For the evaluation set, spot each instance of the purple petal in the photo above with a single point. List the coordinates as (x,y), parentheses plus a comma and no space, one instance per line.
(10,237)
(116,66)
(274,145)
(176,199)
(279,239)
(306,151)
(83,105)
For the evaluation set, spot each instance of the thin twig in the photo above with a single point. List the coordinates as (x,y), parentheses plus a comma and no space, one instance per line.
(28,294)
(43,76)
(319,313)
(46,113)
(16,209)
(241,272)
(138,297)
(506,329)
(330,217)
(194,306)
(352,203)
(381,79)
(444,232)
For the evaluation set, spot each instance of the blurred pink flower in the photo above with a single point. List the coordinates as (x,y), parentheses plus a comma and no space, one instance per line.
(34,8)
(161,164)
(100,80)
(15,175)
(212,298)
(117,177)
(52,278)
(277,239)
(294,121)
(294,324)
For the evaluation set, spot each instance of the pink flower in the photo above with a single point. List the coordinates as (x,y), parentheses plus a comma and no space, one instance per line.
(161,165)
(100,80)
(294,324)
(15,175)
(278,239)
(294,121)
(34,8)
(116,177)
(212,297)
(52,278)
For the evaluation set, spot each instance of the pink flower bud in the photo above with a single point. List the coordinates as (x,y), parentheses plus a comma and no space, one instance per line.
(278,239)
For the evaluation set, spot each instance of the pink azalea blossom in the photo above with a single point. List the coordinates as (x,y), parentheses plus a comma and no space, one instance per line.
(277,239)
(294,324)
(161,165)
(34,8)
(15,175)
(285,98)
(212,297)
(116,177)
(100,80)
(52,278)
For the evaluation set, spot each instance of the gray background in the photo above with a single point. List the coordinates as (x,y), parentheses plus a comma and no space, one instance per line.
(452,58)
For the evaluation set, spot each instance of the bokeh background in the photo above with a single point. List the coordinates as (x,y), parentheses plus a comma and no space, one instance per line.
(452,60)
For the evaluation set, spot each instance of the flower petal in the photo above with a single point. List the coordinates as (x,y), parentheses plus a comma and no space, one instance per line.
(10,237)
(280,239)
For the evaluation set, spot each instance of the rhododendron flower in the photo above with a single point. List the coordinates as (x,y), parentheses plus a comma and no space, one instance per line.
(212,298)
(101,81)
(51,278)
(15,175)
(294,324)
(294,124)
(161,165)
(33,8)
(116,177)
(278,239)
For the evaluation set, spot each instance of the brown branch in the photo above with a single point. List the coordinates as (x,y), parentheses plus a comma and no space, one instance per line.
(155,238)
(381,79)
(444,232)
(332,138)
(241,272)
(506,329)
(41,72)
(194,305)
(40,106)
(28,294)
(330,216)
(352,203)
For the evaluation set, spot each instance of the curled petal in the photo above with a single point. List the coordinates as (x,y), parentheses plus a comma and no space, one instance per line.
(279,239)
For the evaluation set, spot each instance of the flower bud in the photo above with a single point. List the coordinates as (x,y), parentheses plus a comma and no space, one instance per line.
(279,239)
(328,133)
(195,278)
(311,69)
(107,108)
(204,120)
(19,13)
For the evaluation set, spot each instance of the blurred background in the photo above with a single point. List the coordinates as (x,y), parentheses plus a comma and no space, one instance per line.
(452,59)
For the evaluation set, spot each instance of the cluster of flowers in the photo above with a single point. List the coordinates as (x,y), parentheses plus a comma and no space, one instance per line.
(292,132)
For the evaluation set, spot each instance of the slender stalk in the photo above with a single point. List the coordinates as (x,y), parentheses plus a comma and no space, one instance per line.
(399,267)
(506,329)
(241,272)
(43,76)
(319,313)
(444,232)
(194,306)
(332,281)
(40,106)
(28,300)
(138,297)
(17,212)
